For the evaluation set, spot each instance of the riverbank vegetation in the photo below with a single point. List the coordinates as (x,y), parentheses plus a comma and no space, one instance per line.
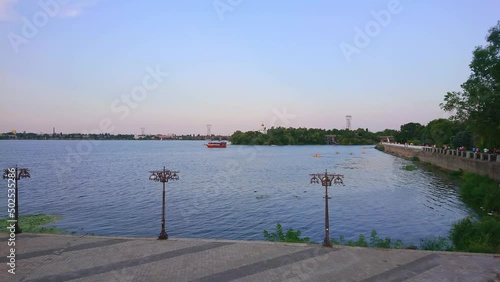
(471,234)
(291,236)
(34,224)
(374,241)
(304,136)
(482,194)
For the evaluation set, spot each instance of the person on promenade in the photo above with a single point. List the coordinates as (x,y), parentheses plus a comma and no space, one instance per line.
(486,150)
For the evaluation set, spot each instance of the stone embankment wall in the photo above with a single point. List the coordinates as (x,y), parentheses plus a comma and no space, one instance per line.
(482,164)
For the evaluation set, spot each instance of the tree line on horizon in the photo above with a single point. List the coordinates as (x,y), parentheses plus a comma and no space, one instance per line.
(475,119)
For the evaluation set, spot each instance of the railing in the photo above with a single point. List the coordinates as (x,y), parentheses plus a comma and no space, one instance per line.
(464,154)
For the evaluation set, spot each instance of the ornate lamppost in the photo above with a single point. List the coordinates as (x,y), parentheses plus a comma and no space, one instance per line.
(163,176)
(326,180)
(14,174)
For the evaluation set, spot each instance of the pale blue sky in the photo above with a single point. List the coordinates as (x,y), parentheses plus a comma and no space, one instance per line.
(232,68)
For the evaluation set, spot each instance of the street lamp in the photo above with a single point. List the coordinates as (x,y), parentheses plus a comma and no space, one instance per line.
(326,180)
(16,173)
(163,176)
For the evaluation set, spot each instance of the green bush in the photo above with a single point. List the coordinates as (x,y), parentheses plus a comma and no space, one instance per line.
(476,236)
(291,236)
(414,142)
(481,192)
(377,242)
(360,243)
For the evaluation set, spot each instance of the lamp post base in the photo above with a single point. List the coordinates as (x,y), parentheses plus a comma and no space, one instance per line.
(327,244)
(163,236)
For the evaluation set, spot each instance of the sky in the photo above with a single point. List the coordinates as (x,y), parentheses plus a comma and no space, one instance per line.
(175,66)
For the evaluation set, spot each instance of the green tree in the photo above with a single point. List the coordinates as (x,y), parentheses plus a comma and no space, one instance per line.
(410,131)
(440,131)
(477,103)
(303,136)
(462,138)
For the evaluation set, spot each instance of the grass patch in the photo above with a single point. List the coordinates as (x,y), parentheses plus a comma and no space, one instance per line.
(415,159)
(34,224)
(409,167)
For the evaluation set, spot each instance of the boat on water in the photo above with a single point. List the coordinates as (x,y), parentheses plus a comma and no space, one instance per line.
(216,144)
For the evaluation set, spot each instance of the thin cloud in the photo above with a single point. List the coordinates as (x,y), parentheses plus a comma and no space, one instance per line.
(70,13)
(76,8)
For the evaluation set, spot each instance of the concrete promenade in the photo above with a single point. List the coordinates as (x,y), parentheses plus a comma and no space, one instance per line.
(42,257)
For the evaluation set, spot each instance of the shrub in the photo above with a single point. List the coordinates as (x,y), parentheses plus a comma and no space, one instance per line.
(436,244)
(476,236)
(481,192)
(291,236)
(375,242)
(360,243)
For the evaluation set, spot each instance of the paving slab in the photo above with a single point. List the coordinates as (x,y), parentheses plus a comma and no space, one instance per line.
(48,257)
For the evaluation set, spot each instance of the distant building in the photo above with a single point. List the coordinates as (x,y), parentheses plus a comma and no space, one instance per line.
(162,136)
(263,129)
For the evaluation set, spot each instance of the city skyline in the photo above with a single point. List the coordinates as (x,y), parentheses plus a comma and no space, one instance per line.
(116,67)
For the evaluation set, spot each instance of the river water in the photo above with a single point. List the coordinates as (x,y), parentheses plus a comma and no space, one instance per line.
(233,193)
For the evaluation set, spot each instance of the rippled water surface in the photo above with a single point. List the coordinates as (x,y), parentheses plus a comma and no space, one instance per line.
(232,193)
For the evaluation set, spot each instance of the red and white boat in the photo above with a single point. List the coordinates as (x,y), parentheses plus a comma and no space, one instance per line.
(216,144)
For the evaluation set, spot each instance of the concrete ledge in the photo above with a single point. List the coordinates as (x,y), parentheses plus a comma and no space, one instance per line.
(479,163)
